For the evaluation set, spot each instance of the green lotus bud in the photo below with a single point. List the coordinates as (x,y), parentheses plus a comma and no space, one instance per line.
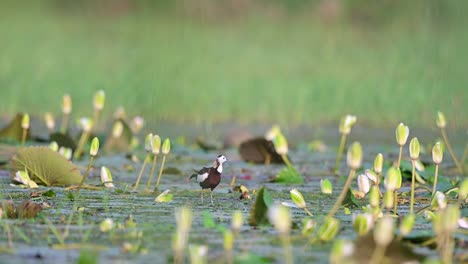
(281,144)
(272,133)
(54,146)
(378,163)
(66,104)
(237,221)
(373,177)
(439,201)
(106,177)
(98,100)
(341,251)
(329,229)
(407,224)
(354,156)
(374,196)
(94,147)
(308,226)
(184,219)
(49,121)
(429,215)
(86,124)
(137,124)
(363,183)
(166,146)
(419,165)
(280,218)
(346,124)
(164,197)
(440,121)
(25,121)
(388,199)
(149,142)
(117,130)
(228,240)
(402,133)
(106,225)
(463,191)
(198,254)
(119,113)
(451,217)
(437,153)
(414,149)
(156,145)
(326,186)
(383,233)
(362,223)
(297,198)
(22,177)
(393,179)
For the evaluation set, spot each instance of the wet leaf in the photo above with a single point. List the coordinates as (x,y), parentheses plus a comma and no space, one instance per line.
(351,200)
(164,197)
(49,193)
(289,174)
(258,213)
(45,166)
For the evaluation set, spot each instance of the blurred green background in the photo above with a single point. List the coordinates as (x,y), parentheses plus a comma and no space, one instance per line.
(195,61)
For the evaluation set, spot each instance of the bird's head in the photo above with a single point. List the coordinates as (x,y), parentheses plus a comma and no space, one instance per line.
(221,159)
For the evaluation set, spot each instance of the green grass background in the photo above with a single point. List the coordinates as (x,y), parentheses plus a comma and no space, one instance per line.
(291,69)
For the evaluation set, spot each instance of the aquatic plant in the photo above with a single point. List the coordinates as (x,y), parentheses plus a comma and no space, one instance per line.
(93,153)
(66,110)
(392,183)
(228,245)
(148,148)
(437,156)
(383,235)
(298,199)
(414,154)
(98,104)
(401,133)
(25,123)
(326,186)
(346,124)
(86,125)
(180,237)
(280,217)
(165,149)
(50,122)
(106,177)
(155,149)
(442,123)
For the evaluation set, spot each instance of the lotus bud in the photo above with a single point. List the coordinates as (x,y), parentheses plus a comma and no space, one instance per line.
(451,217)
(308,226)
(119,113)
(297,198)
(106,177)
(86,124)
(281,144)
(106,225)
(326,186)
(419,165)
(388,199)
(94,147)
(463,191)
(137,124)
(198,254)
(134,143)
(99,99)
(228,240)
(166,146)
(184,219)
(272,133)
(439,201)
(164,197)
(346,124)
(237,221)
(429,215)
(54,146)
(22,177)
(462,222)
(363,183)
(149,142)
(341,251)
(414,149)
(25,121)
(117,130)
(156,145)
(383,233)
(440,121)
(393,179)
(362,223)
(407,224)
(372,176)
(402,133)
(66,104)
(280,218)
(66,152)
(49,121)
(354,156)
(374,196)
(378,163)
(329,229)
(437,153)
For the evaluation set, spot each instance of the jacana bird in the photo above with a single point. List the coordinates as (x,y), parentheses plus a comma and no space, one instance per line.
(209,178)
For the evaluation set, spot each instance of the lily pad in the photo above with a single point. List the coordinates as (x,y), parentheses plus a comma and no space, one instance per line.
(258,213)
(45,166)
(289,175)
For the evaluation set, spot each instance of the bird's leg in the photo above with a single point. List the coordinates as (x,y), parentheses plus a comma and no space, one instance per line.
(202,191)
(212,197)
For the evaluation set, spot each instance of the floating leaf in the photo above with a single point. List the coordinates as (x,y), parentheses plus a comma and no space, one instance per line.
(258,213)
(289,175)
(208,221)
(45,166)
(14,131)
(164,197)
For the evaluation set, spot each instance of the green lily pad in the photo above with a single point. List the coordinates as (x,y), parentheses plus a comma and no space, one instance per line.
(289,174)
(258,213)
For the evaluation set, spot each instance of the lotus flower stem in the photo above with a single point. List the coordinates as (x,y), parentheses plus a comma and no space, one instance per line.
(153,168)
(340,153)
(23,136)
(85,176)
(97,114)
(286,160)
(141,171)
(342,194)
(307,211)
(434,188)
(161,170)
(395,202)
(452,153)
(378,254)
(399,156)
(413,176)
(64,125)
(79,149)
(288,258)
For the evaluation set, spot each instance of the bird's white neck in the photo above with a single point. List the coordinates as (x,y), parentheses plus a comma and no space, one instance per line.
(220,168)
